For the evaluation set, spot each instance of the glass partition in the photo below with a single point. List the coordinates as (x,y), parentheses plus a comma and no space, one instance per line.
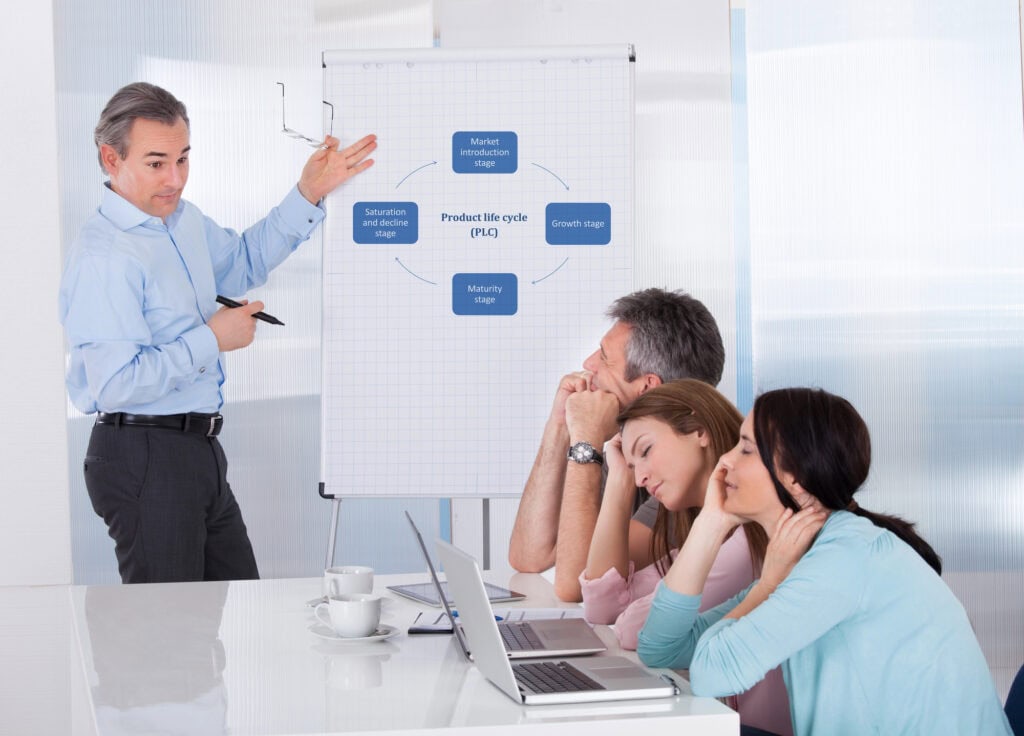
(886,166)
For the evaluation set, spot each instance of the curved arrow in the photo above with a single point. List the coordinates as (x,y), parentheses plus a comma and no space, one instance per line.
(411,273)
(552,174)
(432,163)
(537,281)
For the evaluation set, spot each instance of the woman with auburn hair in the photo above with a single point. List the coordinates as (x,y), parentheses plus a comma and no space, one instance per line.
(849,602)
(670,440)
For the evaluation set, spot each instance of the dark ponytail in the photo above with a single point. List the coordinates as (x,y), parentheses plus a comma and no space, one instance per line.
(822,440)
(905,531)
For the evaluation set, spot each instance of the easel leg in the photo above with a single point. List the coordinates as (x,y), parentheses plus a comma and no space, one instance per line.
(336,509)
(486,525)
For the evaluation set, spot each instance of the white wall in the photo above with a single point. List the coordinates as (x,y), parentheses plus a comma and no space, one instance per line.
(35,545)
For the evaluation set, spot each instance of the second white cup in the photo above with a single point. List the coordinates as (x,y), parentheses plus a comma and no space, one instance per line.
(351,616)
(347,579)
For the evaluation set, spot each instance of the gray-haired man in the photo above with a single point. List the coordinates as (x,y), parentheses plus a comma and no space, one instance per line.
(137,301)
(657,336)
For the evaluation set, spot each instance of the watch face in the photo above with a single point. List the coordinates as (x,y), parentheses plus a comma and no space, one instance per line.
(583,452)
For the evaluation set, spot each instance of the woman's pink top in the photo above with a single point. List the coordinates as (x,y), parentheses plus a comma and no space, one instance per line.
(612,599)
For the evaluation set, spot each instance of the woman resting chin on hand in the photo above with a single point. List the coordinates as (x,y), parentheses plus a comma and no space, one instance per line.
(849,602)
(669,442)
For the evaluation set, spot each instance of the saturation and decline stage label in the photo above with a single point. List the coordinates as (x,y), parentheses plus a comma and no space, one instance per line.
(471,267)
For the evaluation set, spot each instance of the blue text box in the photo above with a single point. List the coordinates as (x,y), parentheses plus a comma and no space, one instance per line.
(385,223)
(485,293)
(485,152)
(578,223)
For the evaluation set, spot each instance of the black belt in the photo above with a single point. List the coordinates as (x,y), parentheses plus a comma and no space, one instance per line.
(207,425)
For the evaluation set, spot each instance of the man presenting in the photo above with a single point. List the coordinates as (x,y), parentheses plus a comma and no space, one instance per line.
(657,336)
(137,302)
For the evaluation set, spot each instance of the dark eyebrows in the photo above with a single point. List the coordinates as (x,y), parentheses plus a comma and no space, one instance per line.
(161,154)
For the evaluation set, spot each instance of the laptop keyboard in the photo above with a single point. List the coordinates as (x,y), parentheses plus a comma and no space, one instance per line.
(554,677)
(519,637)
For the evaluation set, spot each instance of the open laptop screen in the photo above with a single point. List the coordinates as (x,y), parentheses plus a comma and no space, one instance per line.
(430,593)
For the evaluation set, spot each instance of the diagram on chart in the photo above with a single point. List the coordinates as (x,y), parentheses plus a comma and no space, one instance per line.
(481,153)
(471,266)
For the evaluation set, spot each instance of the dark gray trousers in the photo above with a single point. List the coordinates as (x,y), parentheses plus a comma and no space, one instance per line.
(165,498)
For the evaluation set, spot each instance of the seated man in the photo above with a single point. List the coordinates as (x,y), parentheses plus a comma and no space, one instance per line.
(657,336)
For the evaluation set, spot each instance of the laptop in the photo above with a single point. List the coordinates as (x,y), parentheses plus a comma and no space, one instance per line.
(588,680)
(432,593)
(571,637)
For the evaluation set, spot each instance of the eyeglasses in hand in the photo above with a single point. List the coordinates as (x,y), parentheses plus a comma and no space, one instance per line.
(296,134)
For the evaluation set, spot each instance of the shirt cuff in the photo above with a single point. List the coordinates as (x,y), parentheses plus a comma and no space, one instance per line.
(202,344)
(299,214)
(668,598)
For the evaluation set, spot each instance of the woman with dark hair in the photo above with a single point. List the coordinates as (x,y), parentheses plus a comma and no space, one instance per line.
(849,602)
(670,440)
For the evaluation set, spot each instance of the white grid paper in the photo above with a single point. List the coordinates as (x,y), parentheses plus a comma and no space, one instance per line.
(419,401)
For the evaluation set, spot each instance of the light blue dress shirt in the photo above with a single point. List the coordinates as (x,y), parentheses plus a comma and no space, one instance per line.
(136,294)
(871,641)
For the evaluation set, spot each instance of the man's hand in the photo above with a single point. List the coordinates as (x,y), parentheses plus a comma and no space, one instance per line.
(328,168)
(590,416)
(235,327)
(569,385)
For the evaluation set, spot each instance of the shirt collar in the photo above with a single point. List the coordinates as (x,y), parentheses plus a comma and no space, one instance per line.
(124,215)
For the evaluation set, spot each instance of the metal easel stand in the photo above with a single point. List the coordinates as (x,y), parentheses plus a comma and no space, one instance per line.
(332,538)
(336,512)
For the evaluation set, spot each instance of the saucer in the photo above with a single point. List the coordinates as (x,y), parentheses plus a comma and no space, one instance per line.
(325,632)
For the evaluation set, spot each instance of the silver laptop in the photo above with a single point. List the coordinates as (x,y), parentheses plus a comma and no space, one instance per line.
(588,680)
(571,637)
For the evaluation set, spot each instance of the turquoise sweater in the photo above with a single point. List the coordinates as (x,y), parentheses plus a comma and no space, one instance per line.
(871,641)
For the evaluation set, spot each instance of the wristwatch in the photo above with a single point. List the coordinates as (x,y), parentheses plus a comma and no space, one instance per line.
(583,453)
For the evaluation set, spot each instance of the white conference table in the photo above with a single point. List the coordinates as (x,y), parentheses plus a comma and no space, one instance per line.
(240,658)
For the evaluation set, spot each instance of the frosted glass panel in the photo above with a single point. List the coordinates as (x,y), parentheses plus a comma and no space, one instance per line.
(222,59)
(886,171)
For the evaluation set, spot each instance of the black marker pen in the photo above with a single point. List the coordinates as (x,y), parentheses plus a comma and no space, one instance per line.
(271,319)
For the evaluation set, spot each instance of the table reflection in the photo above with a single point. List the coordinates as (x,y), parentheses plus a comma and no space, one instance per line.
(158,658)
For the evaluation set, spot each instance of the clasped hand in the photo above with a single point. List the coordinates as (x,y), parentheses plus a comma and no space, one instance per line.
(590,415)
(570,384)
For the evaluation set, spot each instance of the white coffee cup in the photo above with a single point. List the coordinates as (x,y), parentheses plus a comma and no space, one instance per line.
(347,579)
(351,616)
